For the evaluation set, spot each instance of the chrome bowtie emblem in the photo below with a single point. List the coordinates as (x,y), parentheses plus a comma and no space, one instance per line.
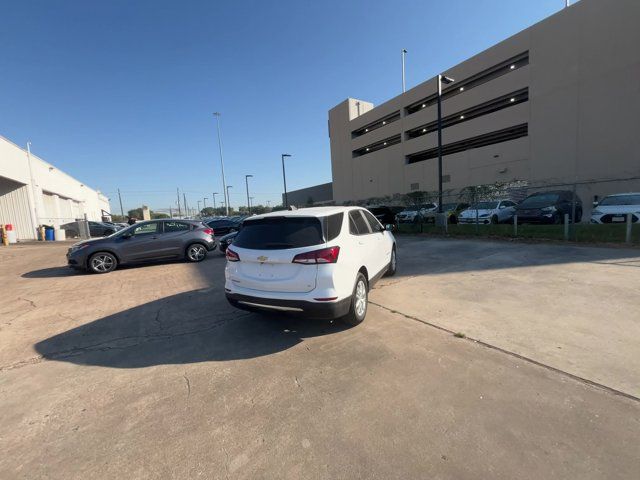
(262,258)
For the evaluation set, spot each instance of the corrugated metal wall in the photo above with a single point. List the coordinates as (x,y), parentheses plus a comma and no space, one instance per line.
(14,208)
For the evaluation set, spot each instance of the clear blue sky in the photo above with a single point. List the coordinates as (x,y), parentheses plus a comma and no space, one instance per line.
(120,93)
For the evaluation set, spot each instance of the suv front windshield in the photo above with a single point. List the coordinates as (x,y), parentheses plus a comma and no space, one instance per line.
(633,199)
(484,206)
(540,200)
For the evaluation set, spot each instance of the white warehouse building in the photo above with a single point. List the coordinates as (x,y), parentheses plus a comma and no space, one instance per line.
(34,192)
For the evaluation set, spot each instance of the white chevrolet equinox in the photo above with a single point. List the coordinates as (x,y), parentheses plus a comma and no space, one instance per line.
(319,262)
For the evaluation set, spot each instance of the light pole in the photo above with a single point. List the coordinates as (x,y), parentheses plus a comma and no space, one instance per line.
(224,180)
(204,202)
(246,181)
(446,80)
(284,179)
(404,88)
(214,199)
(228,199)
(199,207)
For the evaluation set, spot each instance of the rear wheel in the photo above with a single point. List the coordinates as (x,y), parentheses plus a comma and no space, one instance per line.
(196,252)
(359,302)
(494,220)
(102,262)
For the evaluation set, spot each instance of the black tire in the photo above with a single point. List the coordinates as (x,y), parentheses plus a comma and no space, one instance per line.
(357,309)
(393,264)
(453,220)
(557,219)
(102,262)
(494,220)
(196,252)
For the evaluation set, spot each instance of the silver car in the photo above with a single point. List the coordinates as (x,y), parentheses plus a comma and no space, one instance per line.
(491,211)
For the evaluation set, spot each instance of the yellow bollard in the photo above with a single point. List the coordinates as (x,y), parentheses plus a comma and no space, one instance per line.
(5,237)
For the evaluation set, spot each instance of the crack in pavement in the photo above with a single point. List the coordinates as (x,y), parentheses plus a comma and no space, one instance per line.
(513,354)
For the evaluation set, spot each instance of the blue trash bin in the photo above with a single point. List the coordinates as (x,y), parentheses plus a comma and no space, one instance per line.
(49,235)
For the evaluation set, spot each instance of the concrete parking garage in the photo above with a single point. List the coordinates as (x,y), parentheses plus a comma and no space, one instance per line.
(147,372)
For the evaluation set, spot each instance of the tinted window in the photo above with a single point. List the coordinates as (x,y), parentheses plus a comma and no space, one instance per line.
(633,199)
(374,224)
(361,226)
(176,227)
(540,200)
(333,225)
(353,230)
(273,233)
(146,228)
(219,223)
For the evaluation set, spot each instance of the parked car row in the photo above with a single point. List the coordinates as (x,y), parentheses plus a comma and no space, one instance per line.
(540,207)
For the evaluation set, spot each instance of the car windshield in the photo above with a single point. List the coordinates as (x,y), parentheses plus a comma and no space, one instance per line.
(274,233)
(484,206)
(540,200)
(449,206)
(631,199)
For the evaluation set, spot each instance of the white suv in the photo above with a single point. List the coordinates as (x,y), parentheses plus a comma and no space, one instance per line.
(319,262)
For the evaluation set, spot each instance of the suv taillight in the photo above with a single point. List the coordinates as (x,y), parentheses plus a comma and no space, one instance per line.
(232,256)
(208,231)
(325,255)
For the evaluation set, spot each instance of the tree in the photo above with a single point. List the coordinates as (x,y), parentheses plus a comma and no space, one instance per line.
(135,213)
(208,212)
(157,215)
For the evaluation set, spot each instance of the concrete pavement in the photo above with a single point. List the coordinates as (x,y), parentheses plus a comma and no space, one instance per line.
(147,373)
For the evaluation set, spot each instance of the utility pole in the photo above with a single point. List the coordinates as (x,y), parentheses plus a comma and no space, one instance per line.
(447,80)
(228,199)
(246,181)
(224,180)
(179,212)
(404,86)
(284,179)
(214,199)
(186,209)
(204,202)
(121,209)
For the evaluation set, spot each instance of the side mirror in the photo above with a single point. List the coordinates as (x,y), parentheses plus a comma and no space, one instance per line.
(126,236)
(388,227)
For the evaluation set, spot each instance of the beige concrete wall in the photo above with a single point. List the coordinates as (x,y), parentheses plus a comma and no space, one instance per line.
(584,98)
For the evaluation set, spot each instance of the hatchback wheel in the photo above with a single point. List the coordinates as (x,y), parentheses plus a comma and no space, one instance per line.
(196,252)
(102,262)
(359,302)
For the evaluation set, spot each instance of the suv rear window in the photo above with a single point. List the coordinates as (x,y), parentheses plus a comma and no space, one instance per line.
(277,233)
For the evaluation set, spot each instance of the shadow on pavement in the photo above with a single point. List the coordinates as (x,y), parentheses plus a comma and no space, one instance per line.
(195,326)
(50,273)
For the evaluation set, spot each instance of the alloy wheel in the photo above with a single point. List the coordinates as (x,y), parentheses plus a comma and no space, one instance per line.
(196,253)
(361,298)
(102,263)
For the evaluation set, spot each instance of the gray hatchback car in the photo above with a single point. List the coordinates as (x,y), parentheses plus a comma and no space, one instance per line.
(144,241)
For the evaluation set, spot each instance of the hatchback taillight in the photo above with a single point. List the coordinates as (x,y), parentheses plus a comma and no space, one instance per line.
(325,255)
(232,256)
(208,231)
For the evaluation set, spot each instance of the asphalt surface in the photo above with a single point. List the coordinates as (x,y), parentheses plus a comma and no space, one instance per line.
(146,372)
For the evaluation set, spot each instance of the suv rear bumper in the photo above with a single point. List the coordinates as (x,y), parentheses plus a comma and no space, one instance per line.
(316,310)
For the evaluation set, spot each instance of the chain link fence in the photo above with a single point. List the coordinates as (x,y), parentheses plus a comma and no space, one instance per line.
(599,211)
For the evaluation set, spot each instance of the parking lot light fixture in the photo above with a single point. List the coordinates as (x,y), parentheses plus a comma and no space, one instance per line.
(246,181)
(284,179)
(446,80)
(224,181)
(228,199)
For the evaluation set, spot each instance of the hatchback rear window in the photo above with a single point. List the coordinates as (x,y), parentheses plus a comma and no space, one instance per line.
(274,233)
